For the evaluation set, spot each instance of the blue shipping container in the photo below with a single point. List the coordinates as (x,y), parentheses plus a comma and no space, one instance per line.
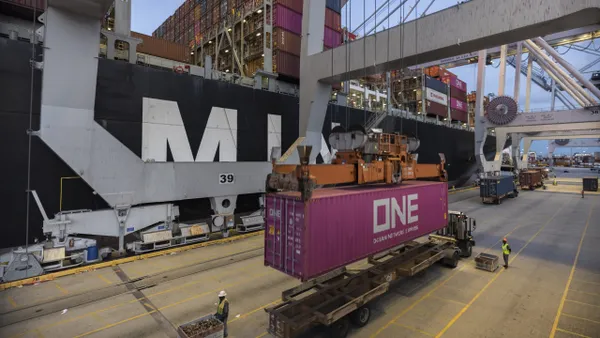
(436,85)
(496,188)
(334,5)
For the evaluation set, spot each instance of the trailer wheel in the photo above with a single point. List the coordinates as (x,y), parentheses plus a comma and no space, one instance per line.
(361,316)
(452,262)
(340,328)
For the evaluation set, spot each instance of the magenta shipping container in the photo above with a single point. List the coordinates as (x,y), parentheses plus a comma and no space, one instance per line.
(339,226)
(458,105)
(287,19)
(332,38)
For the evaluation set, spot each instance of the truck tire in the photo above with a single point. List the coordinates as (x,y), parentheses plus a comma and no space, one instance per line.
(468,250)
(361,316)
(340,328)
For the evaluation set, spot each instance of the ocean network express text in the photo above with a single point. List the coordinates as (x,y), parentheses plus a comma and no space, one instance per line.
(406,213)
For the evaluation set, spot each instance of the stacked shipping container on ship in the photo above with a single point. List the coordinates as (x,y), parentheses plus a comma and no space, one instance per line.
(456,92)
(410,92)
(217,23)
(180,27)
(471,106)
(458,98)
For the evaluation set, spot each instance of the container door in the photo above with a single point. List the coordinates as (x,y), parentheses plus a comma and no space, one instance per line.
(294,233)
(283,237)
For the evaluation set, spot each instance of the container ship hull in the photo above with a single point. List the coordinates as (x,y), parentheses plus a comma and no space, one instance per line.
(254,119)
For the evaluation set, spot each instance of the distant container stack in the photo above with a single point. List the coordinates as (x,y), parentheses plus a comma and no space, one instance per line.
(232,33)
(471,106)
(339,226)
(443,93)
(409,91)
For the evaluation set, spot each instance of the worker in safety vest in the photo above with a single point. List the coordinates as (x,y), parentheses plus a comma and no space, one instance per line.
(506,250)
(223,310)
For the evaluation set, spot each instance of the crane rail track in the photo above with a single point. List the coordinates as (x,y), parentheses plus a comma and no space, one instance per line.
(55,305)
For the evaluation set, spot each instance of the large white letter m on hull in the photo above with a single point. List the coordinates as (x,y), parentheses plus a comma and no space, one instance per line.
(162,125)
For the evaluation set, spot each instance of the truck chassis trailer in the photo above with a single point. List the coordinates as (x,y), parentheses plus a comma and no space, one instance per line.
(326,305)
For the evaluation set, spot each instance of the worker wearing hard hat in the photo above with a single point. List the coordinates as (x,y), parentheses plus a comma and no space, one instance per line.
(223,310)
(506,250)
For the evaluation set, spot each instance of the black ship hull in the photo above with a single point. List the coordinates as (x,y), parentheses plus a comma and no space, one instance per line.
(121,88)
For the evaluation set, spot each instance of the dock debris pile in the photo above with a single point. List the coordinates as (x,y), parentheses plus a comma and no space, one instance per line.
(201,326)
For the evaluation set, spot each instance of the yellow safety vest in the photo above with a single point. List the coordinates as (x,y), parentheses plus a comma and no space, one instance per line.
(505,249)
(222,306)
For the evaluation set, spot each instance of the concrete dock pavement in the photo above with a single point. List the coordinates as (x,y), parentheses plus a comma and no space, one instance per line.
(555,261)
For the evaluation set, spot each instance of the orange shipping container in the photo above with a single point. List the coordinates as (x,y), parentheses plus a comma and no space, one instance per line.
(446,73)
(197,12)
(433,71)
(254,65)
(216,15)
(162,48)
(286,41)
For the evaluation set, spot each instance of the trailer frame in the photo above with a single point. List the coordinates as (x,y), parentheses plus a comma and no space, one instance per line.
(344,294)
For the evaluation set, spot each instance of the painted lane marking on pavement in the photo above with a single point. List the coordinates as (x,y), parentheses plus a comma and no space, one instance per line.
(432,291)
(564,296)
(62,322)
(169,306)
(464,309)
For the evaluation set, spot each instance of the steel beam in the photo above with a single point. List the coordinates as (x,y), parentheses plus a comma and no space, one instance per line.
(502,75)
(235,56)
(555,117)
(557,39)
(553,95)
(496,23)
(574,93)
(528,82)
(481,131)
(518,72)
(576,134)
(563,76)
(314,94)
(549,128)
(86,8)
(586,83)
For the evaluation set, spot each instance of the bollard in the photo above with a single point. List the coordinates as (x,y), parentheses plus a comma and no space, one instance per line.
(582,193)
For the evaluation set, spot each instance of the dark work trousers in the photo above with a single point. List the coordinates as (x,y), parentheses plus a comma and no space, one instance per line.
(505,260)
(225,327)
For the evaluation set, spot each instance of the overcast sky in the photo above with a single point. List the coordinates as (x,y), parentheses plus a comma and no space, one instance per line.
(147,15)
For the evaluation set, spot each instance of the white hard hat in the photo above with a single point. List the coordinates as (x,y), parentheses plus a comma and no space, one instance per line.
(222,293)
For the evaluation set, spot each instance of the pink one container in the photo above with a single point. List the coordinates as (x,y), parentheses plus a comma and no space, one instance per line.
(458,105)
(339,226)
